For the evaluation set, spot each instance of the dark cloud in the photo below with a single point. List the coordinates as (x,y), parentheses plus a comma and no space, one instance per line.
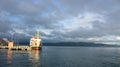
(64,20)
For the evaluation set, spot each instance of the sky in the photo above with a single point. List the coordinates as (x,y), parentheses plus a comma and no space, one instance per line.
(61,20)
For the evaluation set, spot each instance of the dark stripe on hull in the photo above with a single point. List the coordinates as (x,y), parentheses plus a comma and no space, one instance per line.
(36,48)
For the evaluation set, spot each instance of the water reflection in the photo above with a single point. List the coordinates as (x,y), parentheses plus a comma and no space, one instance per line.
(9,57)
(35,57)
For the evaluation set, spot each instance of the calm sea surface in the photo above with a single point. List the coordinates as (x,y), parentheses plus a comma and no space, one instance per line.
(56,56)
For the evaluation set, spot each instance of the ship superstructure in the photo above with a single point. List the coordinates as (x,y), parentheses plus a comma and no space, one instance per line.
(36,42)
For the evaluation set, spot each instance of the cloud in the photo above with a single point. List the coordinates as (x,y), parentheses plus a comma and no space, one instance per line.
(64,20)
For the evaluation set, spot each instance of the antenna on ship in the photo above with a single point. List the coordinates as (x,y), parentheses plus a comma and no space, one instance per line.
(38,33)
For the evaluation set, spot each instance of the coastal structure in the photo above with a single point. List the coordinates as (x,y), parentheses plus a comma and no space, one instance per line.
(35,44)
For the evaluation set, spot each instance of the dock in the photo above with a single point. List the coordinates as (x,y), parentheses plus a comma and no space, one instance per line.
(16,48)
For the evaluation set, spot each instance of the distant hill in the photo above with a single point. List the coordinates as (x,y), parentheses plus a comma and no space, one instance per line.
(85,44)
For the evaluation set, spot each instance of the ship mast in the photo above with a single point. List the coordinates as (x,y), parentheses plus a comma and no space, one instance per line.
(38,34)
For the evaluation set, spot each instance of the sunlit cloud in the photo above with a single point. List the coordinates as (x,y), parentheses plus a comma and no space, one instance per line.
(64,20)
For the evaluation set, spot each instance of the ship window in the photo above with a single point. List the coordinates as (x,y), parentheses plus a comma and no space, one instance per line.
(35,43)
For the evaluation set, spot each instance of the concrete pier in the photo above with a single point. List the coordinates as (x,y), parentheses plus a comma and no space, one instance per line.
(3,47)
(16,47)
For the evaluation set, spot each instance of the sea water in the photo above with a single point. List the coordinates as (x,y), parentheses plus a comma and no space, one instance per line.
(60,56)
